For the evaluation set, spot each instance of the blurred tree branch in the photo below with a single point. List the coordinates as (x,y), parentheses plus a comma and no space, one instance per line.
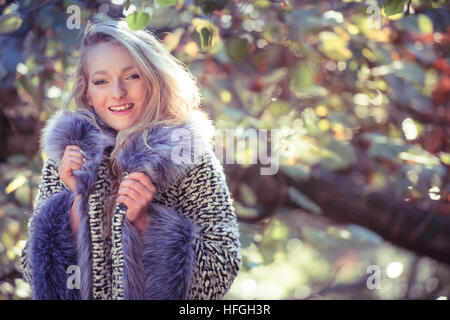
(424,231)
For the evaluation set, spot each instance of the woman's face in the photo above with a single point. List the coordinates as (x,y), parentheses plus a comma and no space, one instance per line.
(115,86)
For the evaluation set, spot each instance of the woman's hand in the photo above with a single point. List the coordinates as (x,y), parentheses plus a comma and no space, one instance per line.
(73,159)
(136,192)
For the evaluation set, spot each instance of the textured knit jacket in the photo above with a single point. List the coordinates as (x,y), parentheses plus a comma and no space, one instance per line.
(191,248)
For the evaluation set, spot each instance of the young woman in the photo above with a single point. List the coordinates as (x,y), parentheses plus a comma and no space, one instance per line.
(133,203)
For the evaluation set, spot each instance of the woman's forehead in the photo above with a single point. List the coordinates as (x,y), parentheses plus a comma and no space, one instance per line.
(108,58)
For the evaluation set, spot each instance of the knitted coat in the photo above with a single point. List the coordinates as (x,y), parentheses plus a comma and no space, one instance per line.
(191,248)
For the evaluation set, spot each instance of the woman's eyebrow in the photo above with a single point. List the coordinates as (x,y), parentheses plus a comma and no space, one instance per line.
(105,72)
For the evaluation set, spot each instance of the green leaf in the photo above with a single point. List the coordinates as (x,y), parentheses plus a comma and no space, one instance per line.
(303,76)
(392,7)
(262,4)
(274,31)
(237,48)
(278,108)
(310,119)
(167,3)
(334,46)
(409,71)
(297,171)
(23,194)
(10,23)
(342,155)
(127,4)
(138,20)
(382,147)
(303,201)
(445,158)
(316,236)
(302,80)
(408,23)
(207,34)
(425,23)
(245,212)
(248,196)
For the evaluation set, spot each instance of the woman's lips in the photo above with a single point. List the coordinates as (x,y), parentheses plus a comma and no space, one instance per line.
(121,112)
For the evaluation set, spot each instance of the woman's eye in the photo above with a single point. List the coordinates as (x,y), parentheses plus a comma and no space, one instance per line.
(134,76)
(99,82)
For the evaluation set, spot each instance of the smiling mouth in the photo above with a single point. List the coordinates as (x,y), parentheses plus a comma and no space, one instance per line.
(123,107)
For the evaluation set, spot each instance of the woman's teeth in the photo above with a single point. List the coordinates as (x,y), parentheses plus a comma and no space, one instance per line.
(121,108)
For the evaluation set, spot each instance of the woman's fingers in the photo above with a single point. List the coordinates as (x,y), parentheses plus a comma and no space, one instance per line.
(143,179)
(74,151)
(125,200)
(130,192)
(75,165)
(72,147)
(133,210)
(70,164)
(73,159)
(73,154)
(76,160)
(138,187)
(136,192)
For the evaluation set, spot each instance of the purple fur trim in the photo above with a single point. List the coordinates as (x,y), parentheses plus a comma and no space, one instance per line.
(157,163)
(159,265)
(175,149)
(133,269)
(69,128)
(84,249)
(53,249)
(168,254)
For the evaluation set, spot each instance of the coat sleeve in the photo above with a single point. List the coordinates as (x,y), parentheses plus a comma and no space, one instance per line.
(190,251)
(50,248)
(207,202)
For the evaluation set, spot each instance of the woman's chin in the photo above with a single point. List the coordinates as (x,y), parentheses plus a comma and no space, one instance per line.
(121,126)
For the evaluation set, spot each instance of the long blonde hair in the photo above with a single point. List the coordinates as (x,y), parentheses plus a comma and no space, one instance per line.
(174,90)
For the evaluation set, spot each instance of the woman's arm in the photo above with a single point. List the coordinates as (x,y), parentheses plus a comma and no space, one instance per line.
(50,185)
(75,216)
(50,247)
(208,203)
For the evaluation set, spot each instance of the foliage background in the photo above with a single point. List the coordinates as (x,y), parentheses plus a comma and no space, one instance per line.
(359,91)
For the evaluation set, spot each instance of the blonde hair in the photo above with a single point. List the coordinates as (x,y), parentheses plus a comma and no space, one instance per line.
(174,90)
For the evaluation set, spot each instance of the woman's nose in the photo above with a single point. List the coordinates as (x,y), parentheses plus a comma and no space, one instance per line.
(118,91)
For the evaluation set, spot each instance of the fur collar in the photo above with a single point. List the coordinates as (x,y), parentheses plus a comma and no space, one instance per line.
(176,149)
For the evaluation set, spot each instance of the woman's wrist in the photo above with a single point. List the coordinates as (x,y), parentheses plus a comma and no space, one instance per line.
(142,223)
